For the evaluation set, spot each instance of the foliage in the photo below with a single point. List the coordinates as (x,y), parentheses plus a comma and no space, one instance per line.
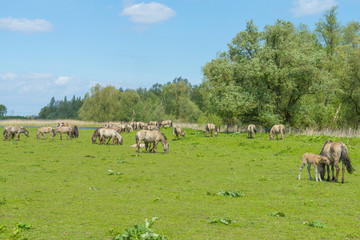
(225,221)
(277,214)
(315,223)
(140,232)
(63,109)
(3,110)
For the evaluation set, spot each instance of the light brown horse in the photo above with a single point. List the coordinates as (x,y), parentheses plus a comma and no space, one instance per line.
(153,123)
(64,129)
(251,131)
(42,130)
(178,131)
(315,160)
(151,137)
(336,152)
(110,134)
(276,130)
(210,128)
(165,123)
(151,127)
(10,131)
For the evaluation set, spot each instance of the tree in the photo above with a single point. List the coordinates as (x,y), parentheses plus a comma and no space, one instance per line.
(101,104)
(3,110)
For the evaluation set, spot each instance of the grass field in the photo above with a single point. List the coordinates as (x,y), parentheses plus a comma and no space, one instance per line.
(77,190)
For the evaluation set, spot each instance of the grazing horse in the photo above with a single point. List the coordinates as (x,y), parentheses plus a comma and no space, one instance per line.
(64,129)
(178,131)
(165,123)
(275,130)
(96,135)
(110,133)
(74,132)
(42,130)
(128,128)
(151,127)
(210,128)
(315,160)
(10,131)
(336,152)
(153,123)
(151,137)
(251,131)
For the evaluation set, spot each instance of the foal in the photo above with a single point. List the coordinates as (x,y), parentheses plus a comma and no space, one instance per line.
(315,160)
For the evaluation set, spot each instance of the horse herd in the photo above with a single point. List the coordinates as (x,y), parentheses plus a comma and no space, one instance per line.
(332,153)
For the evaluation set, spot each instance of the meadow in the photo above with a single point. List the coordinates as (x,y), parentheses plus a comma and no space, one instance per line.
(229,187)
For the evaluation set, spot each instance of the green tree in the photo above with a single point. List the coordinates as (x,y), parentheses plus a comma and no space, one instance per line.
(101,104)
(3,110)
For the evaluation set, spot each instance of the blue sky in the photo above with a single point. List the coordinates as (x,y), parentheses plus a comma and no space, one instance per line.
(64,47)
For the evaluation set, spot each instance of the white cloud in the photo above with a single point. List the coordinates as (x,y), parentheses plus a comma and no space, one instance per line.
(26,25)
(148,13)
(310,7)
(62,80)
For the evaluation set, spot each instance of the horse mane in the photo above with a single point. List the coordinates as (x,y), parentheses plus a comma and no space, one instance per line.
(163,135)
(322,150)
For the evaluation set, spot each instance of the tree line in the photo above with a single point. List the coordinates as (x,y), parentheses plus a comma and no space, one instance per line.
(282,74)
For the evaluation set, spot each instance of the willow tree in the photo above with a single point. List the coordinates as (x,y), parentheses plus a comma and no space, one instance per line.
(264,75)
(101,104)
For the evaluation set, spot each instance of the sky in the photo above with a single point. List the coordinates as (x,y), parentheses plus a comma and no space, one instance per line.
(58,48)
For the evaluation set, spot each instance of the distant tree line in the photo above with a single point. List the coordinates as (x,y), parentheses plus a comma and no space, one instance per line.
(283,74)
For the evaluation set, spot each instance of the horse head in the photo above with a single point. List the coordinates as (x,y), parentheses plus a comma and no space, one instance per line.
(53,132)
(26,132)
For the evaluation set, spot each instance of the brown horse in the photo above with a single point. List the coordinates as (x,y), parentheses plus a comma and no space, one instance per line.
(151,137)
(42,130)
(110,134)
(96,135)
(165,123)
(336,152)
(210,128)
(251,131)
(178,131)
(315,160)
(151,127)
(275,130)
(10,131)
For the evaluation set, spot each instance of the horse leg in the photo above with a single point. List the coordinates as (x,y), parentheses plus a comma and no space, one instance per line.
(343,172)
(332,171)
(155,146)
(138,146)
(309,166)
(317,172)
(301,168)
(337,171)
(107,141)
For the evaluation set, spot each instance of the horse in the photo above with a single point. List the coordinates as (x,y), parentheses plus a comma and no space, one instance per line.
(251,131)
(165,123)
(275,130)
(336,152)
(110,133)
(177,131)
(153,123)
(42,130)
(151,127)
(210,128)
(10,131)
(74,131)
(96,135)
(128,128)
(64,129)
(315,160)
(151,137)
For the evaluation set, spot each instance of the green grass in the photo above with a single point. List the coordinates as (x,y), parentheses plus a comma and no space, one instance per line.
(77,190)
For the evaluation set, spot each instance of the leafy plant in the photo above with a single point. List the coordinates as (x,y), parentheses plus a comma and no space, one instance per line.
(20,227)
(315,223)
(140,232)
(225,221)
(2,201)
(231,193)
(111,172)
(277,214)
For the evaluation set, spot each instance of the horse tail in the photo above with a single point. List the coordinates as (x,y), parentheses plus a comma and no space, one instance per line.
(76,131)
(207,128)
(346,159)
